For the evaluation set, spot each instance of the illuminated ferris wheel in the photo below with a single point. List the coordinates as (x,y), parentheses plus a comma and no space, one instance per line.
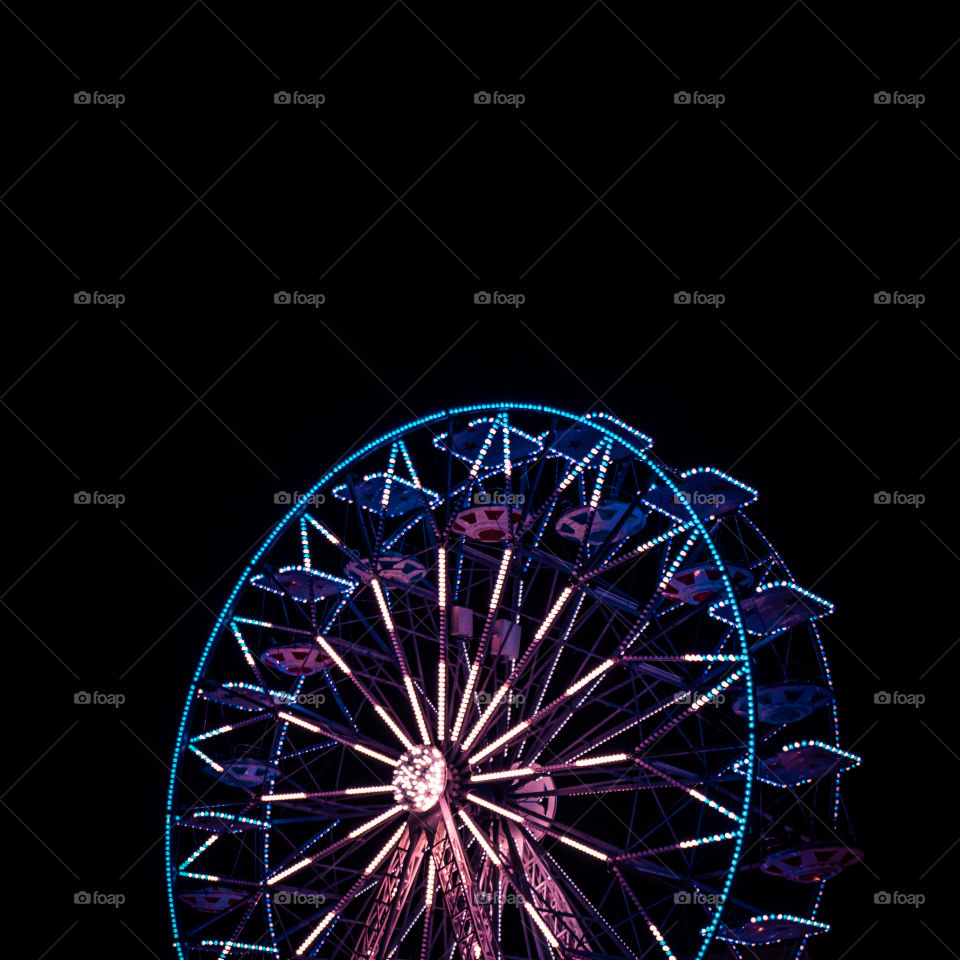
(503,686)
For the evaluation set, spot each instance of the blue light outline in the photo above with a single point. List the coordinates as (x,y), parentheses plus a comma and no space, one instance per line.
(297,509)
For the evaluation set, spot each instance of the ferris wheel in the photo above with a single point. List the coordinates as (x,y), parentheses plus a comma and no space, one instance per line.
(501,685)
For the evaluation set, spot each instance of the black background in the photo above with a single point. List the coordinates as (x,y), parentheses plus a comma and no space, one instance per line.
(598,199)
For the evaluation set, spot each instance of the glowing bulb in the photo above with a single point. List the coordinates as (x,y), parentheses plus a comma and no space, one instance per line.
(481,839)
(299,865)
(592,675)
(415,703)
(317,930)
(391,723)
(387,847)
(541,924)
(333,655)
(583,848)
(509,814)
(441,698)
(552,615)
(502,775)
(375,822)
(373,753)
(290,718)
(509,735)
(608,758)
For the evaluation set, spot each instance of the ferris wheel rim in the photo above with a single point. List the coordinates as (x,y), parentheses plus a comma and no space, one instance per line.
(636,448)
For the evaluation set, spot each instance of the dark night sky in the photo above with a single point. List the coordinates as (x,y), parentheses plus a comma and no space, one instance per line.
(198,398)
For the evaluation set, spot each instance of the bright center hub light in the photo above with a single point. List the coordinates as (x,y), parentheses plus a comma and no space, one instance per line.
(420,779)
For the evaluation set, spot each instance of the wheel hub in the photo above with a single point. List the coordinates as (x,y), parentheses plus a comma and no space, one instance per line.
(420,779)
